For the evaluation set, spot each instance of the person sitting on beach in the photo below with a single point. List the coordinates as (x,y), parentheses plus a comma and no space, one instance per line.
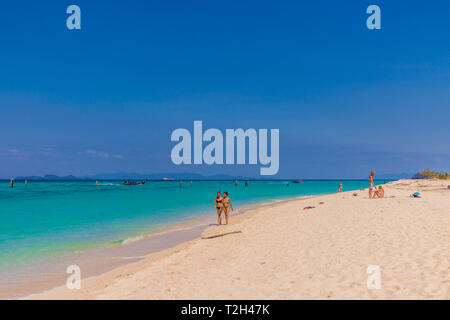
(218,203)
(371,185)
(227,205)
(379,192)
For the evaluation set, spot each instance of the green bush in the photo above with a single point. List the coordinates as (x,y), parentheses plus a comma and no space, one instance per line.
(434,174)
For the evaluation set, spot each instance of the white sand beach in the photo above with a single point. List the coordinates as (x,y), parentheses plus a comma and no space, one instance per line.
(285,252)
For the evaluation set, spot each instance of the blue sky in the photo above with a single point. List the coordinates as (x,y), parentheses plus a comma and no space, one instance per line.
(107,97)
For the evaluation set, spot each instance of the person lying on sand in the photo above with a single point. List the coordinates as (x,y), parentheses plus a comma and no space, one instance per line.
(218,203)
(227,206)
(379,192)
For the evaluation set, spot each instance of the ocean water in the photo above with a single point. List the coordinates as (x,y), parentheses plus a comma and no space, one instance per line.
(48,220)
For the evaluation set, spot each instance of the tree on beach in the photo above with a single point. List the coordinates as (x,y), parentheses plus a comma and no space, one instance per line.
(429,174)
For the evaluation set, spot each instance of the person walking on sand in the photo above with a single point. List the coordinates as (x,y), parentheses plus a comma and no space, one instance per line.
(227,206)
(218,203)
(340,187)
(372,186)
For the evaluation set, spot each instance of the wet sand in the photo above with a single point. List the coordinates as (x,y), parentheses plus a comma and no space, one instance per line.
(40,277)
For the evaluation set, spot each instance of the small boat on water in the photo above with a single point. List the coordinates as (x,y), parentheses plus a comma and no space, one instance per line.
(297,181)
(133,183)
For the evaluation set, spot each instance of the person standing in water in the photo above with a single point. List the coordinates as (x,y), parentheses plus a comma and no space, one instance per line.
(227,206)
(246,183)
(235,183)
(218,203)
(372,187)
(11,183)
(26,183)
(340,187)
(191,183)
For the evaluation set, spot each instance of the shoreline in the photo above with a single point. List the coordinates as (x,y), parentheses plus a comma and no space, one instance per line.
(285,252)
(101,260)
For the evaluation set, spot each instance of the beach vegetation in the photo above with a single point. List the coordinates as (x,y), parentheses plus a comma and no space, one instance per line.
(430,174)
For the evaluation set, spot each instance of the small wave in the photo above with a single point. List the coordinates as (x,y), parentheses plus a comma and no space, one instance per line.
(133,258)
(131,240)
(307,196)
(267,203)
(126,241)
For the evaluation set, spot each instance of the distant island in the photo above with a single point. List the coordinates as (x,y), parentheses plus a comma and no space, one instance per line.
(429,174)
(425,174)
(48,177)
(130,176)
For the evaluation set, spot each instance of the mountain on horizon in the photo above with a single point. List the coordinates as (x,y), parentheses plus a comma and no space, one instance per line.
(132,176)
(176,176)
(47,177)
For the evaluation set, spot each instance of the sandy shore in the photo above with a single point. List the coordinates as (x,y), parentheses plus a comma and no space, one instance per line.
(286,252)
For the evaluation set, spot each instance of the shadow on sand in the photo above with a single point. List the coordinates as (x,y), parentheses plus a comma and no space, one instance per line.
(221,235)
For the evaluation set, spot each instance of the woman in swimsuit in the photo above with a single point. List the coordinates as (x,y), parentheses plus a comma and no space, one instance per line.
(372,186)
(379,193)
(218,203)
(227,205)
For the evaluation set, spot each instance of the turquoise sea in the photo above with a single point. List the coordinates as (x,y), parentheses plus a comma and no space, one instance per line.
(47,220)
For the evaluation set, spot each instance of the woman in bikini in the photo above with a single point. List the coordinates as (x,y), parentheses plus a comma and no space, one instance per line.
(379,193)
(227,206)
(218,203)
(372,187)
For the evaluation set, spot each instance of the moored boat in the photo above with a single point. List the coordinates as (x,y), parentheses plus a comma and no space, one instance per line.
(133,183)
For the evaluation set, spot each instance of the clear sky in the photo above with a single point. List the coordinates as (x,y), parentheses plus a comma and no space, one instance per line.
(107,97)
